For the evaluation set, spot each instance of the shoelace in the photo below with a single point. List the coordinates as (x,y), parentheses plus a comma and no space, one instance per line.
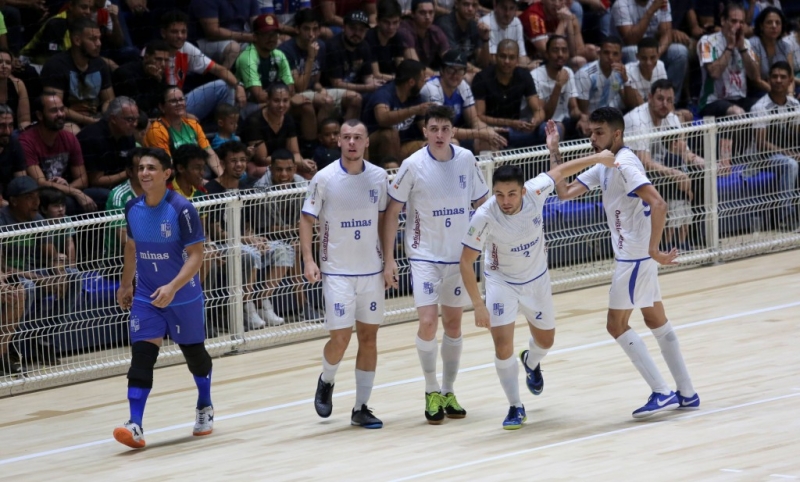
(451,401)
(435,402)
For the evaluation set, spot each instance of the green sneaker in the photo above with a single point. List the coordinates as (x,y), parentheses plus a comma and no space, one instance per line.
(451,407)
(434,408)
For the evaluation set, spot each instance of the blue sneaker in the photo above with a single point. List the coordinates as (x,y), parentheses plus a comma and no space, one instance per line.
(516,416)
(534,378)
(658,402)
(688,403)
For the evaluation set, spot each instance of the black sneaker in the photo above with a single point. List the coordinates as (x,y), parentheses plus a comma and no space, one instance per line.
(365,418)
(323,402)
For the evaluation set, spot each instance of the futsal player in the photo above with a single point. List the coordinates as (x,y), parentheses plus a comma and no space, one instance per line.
(636,214)
(348,199)
(509,226)
(439,183)
(163,253)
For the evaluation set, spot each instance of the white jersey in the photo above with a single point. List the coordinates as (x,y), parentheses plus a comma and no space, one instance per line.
(599,90)
(497,34)
(637,80)
(439,195)
(766,106)
(629,12)
(639,121)
(628,216)
(347,206)
(732,84)
(545,85)
(514,243)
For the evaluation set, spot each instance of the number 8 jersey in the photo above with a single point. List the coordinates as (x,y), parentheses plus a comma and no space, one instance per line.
(439,195)
(347,206)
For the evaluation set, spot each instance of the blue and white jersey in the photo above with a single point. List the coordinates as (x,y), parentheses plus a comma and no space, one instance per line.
(599,90)
(628,216)
(461,99)
(348,206)
(439,195)
(514,244)
(161,234)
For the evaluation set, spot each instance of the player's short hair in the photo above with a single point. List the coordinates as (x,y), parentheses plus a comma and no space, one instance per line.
(389,9)
(508,173)
(731,6)
(50,195)
(282,155)
(188,152)
(230,147)
(306,15)
(440,112)
(174,16)
(611,40)
(647,43)
(608,115)
(661,84)
(78,25)
(552,39)
(160,155)
(407,70)
(223,111)
(781,65)
(355,123)
(134,154)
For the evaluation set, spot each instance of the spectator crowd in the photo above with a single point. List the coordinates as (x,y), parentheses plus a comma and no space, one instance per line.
(250,94)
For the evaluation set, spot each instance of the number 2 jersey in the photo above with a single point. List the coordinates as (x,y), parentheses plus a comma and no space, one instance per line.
(628,216)
(514,243)
(348,206)
(161,234)
(439,195)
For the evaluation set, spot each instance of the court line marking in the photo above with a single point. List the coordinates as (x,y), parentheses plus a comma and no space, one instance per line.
(600,435)
(736,471)
(231,416)
(781,476)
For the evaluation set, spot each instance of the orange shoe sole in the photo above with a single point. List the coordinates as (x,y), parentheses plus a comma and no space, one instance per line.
(200,434)
(124,436)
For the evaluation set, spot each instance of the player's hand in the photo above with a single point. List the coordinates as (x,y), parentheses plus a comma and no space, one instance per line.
(485,31)
(313,50)
(564,14)
(390,275)
(620,67)
(497,141)
(113,10)
(60,180)
(562,77)
(311,272)
(125,297)
(481,316)
(679,37)
(606,158)
(309,166)
(553,137)
(86,203)
(740,38)
(241,96)
(163,296)
(665,258)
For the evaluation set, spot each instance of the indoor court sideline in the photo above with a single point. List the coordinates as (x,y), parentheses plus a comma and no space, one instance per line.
(737,323)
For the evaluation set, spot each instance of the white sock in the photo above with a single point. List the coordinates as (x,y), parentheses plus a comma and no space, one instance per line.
(535,354)
(328,370)
(364,383)
(671,351)
(451,357)
(427,351)
(636,350)
(508,373)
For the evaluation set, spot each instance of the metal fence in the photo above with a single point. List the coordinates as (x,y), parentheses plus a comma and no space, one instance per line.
(60,319)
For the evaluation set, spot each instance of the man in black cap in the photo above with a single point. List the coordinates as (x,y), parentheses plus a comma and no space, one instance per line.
(452,90)
(349,60)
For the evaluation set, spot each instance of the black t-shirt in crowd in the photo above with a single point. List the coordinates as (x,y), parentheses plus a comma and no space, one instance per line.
(503,101)
(81,88)
(384,54)
(11,160)
(101,152)
(256,128)
(465,41)
(350,66)
(131,81)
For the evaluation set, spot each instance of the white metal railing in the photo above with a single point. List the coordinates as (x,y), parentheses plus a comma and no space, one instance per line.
(64,323)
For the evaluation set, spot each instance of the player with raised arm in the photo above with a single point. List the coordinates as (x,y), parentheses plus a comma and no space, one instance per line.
(636,215)
(163,253)
(509,226)
(439,183)
(348,198)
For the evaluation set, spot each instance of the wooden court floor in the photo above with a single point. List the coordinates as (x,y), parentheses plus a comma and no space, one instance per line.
(738,325)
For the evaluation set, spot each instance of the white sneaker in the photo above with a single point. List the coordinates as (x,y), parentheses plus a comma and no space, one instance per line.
(268,313)
(204,421)
(130,434)
(253,320)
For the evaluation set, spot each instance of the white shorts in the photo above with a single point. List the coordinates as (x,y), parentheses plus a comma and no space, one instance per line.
(679,213)
(534,299)
(634,285)
(436,283)
(351,298)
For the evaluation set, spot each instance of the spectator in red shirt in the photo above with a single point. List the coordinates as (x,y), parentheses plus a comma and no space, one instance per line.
(553,17)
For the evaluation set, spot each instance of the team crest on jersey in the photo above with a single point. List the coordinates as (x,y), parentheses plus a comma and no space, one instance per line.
(373,196)
(338,308)
(462,181)
(498,309)
(166,229)
(427,287)
(135,323)
(537,220)
(471,231)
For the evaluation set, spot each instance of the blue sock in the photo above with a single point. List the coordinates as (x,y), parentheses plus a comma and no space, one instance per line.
(203,390)
(137,398)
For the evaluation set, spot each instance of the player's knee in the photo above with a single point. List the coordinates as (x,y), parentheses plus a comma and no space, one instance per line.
(143,359)
(735,110)
(197,359)
(545,339)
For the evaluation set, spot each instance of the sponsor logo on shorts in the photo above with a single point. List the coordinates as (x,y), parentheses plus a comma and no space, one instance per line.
(166,229)
(462,181)
(498,309)
(373,196)
(338,308)
(135,323)
(427,287)
(537,220)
